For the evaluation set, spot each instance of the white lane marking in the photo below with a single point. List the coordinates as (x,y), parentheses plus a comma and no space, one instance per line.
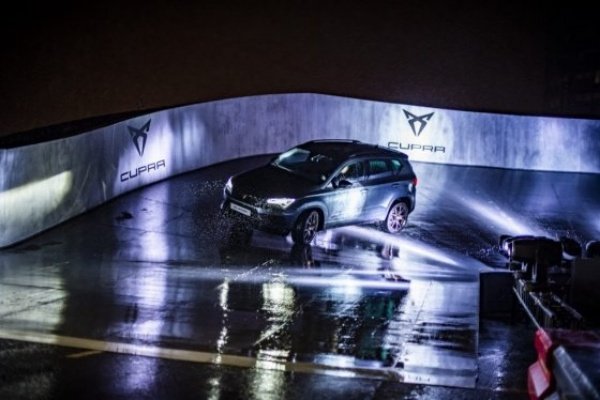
(82,354)
(92,345)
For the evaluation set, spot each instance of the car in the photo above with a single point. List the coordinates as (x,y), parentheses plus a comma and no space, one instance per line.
(323,184)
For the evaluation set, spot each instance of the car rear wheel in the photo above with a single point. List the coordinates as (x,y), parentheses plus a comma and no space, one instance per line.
(397,217)
(306,227)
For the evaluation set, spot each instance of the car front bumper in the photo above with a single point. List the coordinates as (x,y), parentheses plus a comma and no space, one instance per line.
(258,218)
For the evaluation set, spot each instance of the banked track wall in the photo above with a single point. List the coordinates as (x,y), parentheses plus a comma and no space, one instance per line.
(44,184)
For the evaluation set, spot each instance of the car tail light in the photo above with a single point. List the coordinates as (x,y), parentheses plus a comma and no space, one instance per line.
(414,181)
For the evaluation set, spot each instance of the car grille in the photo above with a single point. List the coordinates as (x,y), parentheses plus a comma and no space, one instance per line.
(250,199)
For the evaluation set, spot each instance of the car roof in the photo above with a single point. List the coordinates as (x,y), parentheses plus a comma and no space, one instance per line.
(343,149)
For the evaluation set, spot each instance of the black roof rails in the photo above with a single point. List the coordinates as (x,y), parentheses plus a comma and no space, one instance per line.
(334,140)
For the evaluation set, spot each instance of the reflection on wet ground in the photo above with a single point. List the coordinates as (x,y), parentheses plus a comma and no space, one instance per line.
(159,268)
(353,308)
(390,310)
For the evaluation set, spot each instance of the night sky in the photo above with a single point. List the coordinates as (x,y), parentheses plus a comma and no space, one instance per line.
(79,61)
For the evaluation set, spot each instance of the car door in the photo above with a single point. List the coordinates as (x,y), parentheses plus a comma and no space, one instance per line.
(381,183)
(348,195)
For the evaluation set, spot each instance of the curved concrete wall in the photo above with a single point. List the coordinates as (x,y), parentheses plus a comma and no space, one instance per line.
(44,184)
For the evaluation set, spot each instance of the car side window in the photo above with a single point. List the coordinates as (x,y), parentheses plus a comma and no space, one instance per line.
(352,173)
(379,169)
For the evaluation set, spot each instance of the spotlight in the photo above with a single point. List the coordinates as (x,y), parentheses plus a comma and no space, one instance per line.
(592,249)
(536,255)
(571,249)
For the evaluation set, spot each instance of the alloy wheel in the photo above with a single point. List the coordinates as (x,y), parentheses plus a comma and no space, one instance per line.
(397,217)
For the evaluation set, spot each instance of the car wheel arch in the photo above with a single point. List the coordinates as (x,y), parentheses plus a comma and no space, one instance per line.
(405,199)
(322,210)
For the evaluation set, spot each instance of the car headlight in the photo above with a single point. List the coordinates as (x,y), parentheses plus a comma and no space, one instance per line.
(282,203)
(229,186)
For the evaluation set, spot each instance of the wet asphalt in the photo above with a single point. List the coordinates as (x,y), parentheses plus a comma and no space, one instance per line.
(150,296)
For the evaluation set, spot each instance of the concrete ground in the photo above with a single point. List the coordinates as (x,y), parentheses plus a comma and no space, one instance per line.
(147,296)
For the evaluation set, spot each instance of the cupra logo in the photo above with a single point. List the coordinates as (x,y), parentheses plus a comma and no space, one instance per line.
(139,136)
(413,120)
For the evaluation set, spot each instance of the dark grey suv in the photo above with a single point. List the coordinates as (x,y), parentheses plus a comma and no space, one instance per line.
(323,184)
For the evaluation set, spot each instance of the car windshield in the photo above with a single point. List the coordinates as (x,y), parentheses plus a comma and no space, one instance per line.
(314,166)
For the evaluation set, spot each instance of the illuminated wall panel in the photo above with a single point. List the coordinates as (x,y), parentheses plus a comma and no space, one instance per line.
(44,184)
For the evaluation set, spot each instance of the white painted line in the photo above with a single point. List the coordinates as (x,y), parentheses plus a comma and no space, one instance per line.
(91,345)
(84,354)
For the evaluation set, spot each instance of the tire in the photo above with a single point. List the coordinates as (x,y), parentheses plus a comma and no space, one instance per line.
(306,227)
(397,217)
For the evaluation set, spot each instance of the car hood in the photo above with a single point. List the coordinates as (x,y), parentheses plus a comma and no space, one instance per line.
(270,181)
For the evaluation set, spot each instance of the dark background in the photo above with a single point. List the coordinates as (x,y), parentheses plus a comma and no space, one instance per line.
(75,61)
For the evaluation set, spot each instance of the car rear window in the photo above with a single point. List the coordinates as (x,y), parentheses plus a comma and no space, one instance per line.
(396,166)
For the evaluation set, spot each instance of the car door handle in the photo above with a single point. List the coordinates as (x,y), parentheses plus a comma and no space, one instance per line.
(396,185)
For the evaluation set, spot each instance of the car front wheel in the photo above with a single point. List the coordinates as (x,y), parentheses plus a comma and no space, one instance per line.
(396,218)
(306,227)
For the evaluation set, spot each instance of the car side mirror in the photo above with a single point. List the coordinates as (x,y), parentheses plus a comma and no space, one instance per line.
(344,183)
